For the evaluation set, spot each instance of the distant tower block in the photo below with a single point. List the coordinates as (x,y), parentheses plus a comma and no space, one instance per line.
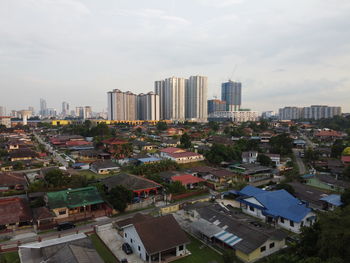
(25,114)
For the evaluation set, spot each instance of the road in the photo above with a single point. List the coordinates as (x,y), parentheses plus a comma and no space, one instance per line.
(299,161)
(58,158)
(309,143)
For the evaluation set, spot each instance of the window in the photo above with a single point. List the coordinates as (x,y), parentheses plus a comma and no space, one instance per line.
(272,245)
(251,208)
(125,235)
(181,247)
(291,223)
(262,249)
(282,220)
(62,212)
(131,240)
(302,223)
(139,248)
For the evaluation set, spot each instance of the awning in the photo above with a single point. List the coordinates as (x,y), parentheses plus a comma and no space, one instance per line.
(228,238)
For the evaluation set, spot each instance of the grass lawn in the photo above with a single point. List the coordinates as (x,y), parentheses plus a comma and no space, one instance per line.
(200,253)
(102,250)
(10,257)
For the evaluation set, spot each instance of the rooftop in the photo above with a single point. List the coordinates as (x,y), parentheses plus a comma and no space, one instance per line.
(72,198)
(130,182)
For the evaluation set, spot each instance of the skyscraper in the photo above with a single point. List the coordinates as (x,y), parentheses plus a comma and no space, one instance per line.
(196,98)
(122,105)
(65,109)
(172,98)
(2,111)
(148,106)
(43,107)
(231,92)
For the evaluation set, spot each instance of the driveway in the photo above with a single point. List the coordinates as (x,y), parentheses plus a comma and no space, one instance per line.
(114,241)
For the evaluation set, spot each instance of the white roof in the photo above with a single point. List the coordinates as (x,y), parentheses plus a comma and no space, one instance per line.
(54,241)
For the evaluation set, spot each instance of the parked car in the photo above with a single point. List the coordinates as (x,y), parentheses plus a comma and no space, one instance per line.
(124,260)
(127,248)
(65,226)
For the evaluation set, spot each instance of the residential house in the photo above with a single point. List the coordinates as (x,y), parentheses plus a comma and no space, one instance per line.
(15,214)
(140,186)
(43,218)
(155,239)
(143,146)
(275,158)
(251,173)
(276,207)
(218,225)
(148,160)
(187,180)
(331,202)
(249,157)
(22,155)
(12,181)
(215,177)
(104,167)
(180,155)
(76,248)
(326,182)
(346,160)
(76,204)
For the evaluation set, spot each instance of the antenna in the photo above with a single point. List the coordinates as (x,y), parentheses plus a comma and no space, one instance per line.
(233,72)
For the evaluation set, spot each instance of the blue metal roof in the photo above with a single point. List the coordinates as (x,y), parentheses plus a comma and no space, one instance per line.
(277,203)
(228,238)
(332,199)
(305,176)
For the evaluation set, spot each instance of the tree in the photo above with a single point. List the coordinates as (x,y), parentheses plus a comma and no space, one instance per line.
(176,188)
(264,160)
(162,126)
(346,173)
(281,144)
(185,141)
(56,178)
(119,197)
(345,197)
(214,126)
(337,148)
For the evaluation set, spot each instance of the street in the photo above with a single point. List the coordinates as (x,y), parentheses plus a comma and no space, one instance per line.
(299,161)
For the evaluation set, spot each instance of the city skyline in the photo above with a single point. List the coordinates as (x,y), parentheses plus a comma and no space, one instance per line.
(75,51)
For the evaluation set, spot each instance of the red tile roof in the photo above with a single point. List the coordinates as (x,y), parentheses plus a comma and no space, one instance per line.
(186,179)
(113,141)
(330,133)
(77,143)
(345,159)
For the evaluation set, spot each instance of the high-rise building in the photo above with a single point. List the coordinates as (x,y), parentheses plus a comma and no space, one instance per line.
(172,98)
(87,112)
(122,105)
(43,107)
(216,105)
(2,111)
(148,106)
(314,112)
(231,92)
(196,107)
(65,109)
(30,108)
(79,112)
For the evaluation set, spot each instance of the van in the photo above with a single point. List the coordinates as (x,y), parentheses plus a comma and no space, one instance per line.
(65,226)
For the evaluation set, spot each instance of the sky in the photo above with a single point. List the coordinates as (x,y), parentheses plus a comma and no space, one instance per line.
(285,53)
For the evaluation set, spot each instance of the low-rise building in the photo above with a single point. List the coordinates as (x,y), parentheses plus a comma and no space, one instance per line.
(76,204)
(155,238)
(326,182)
(141,187)
(104,167)
(187,180)
(15,214)
(77,248)
(180,155)
(249,157)
(276,207)
(6,121)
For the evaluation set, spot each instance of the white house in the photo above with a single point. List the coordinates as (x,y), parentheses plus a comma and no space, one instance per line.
(249,157)
(154,238)
(276,207)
